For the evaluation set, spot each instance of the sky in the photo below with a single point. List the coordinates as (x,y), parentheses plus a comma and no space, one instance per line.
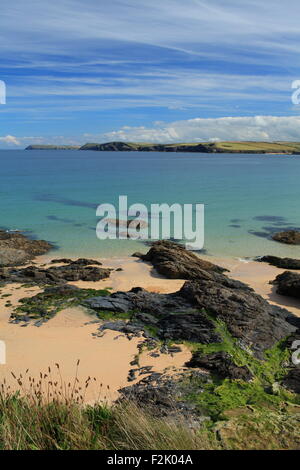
(162,71)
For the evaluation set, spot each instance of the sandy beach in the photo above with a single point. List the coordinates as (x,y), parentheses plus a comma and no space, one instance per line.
(71,335)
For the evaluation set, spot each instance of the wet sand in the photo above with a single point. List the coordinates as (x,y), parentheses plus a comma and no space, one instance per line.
(69,336)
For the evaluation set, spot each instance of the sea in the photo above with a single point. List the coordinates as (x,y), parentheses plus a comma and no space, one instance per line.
(53,195)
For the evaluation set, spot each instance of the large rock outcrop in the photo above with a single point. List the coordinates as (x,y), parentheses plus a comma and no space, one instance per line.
(288,283)
(189,313)
(175,262)
(16,249)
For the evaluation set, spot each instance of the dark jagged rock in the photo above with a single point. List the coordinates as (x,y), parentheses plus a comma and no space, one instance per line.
(80,261)
(220,363)
(183,315)
(140,300)
(175,262)
(288,284)
(53,275)
(122,327)
(164,395)
(113,303)
(137,254)
(248,317)
(188,327)
(290,237)
(26,249)
(284,263)
(292,380)
(62,260)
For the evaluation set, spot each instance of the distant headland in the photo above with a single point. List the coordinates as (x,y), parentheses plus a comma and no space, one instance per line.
(289,148)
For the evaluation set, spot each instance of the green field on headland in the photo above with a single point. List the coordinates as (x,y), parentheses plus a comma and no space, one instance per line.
(288,148)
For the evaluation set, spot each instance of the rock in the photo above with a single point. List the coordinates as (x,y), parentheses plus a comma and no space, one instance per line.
(53,275)
(132,375)
(163,396)
(247,316)
(221,364)
(18,241)
(292,380)
(111,304)
(290,237)
(288,284)
(284,263)
(62,260)
(174,349)
(188,327)
(175,262)
(86,262)
(13,257)
(186,314)
(80,261)
(137,254)
(122,327)
(65,290)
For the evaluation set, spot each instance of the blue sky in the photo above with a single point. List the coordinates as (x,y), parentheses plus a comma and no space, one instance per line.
(166,70)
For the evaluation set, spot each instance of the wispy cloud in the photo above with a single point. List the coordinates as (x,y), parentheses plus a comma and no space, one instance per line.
(134,61)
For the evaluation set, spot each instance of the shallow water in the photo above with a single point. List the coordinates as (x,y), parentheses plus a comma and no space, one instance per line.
(54,195)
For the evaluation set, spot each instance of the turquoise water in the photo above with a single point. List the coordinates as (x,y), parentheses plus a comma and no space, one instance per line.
(54,195)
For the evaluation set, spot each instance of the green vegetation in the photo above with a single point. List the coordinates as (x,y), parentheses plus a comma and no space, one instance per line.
(48,303)
(29,424)
(205,147)
(257,414)
(263,391)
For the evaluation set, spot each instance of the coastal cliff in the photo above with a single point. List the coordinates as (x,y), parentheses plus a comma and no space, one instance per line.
(288,148)
(53,147)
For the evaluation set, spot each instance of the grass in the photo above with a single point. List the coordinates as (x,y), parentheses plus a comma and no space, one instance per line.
(30,423)
(234,146)
(51,415)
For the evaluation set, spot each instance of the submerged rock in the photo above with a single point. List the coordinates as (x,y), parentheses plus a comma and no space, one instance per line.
(288,284)
(175,262)
(284,263)
(290,237)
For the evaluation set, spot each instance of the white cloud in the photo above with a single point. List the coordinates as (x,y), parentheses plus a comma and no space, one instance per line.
(262,128)
(10,140)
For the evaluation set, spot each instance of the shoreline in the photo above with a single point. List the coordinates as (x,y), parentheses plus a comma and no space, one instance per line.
(71,335)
